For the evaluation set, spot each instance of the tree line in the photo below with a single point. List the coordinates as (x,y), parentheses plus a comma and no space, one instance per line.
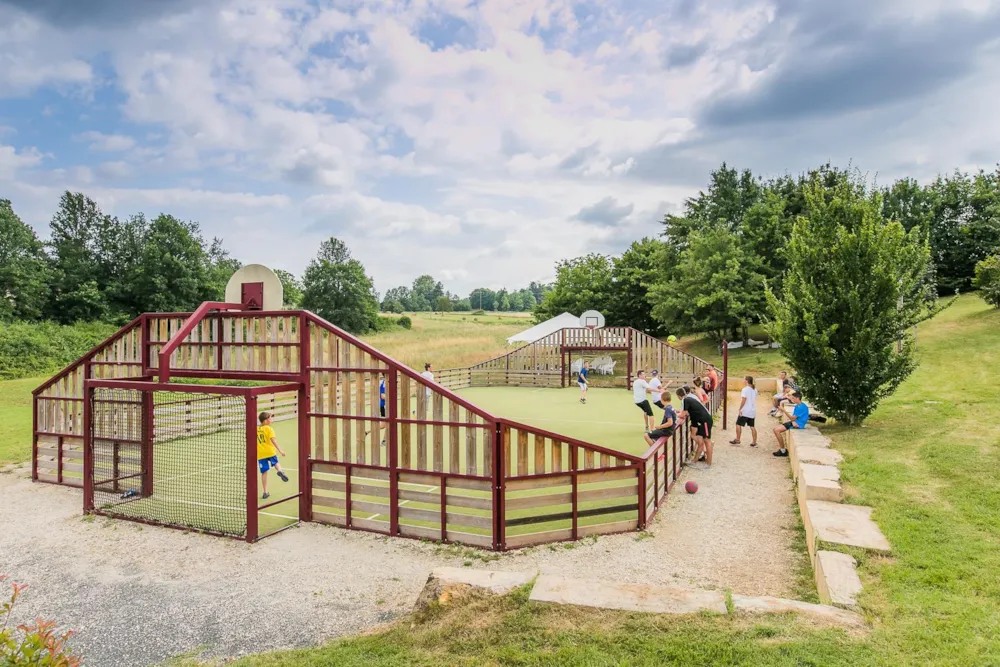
(428,294)
(711,266)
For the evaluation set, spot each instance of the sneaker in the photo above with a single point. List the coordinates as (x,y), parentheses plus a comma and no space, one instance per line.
(702,458)
(383,443)
(753,444)
(780,452)
(735,442)
(283,476)
(266,496)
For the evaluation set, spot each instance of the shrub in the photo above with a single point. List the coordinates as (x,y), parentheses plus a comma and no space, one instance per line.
(38,348)
(385,324)
(854,287)
(988,279)
(479,312)
(405,322)
(37,643)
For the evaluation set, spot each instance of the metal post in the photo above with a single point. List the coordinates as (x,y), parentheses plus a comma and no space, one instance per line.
(34,438)
(628,370)
(146,453)
(251,468)
(305,424)
(499,485)
(393,414)
(575,492)
(725,383)
(444,508)
(88,449)
(642,495)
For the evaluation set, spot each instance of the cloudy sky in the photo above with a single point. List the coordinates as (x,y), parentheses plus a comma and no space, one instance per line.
(477,140)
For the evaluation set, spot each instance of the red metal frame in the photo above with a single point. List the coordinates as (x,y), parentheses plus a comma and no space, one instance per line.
(189,325)
(251,469)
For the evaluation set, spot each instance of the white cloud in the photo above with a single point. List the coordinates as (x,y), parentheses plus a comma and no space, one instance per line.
(466,160)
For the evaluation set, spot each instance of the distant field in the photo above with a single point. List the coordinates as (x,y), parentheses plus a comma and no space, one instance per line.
(451,340)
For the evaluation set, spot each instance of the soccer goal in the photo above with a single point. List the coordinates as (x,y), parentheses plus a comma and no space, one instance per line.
(182,456)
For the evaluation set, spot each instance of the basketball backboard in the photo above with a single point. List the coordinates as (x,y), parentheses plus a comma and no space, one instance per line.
(592,320)
(256,287)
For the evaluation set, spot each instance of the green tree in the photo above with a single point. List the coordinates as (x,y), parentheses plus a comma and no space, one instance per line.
(582,283)
(853,290)
(291,289)
(463,305)
(716,288)
(397,297)
(988,279)
(482,298)
(174,274)
(632,275)
(392,306)
(336,287)
(527,300)
(443,305)
(24,269)
(77,285)
(429,289)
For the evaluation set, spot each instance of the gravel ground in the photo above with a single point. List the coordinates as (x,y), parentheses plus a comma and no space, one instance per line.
(138,595)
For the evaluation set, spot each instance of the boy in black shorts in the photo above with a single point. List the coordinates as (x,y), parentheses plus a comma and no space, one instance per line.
(701,422)
(640,389)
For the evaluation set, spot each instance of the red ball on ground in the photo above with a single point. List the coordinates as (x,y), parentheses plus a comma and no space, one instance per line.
(691,486)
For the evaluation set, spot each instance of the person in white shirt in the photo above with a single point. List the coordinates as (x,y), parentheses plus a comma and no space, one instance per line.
(429,375)
(748,412)
(657,387)
(640,388)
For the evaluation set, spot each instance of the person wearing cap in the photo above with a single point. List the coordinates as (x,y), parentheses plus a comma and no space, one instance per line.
(657,387)
(267,452)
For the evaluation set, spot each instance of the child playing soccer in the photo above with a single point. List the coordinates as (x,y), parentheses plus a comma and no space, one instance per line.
(267,452)
(581,380)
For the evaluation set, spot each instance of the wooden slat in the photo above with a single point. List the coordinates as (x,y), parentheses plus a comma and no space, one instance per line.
(438,429)
(470,450)
(332,519)
(538,501)
(421,428)
(433,516)
(540,483)
(420,531)
(403,389)
(360,381)
(556,456)
(370,524)
(466,501)
(454,463)
(539,454)
(522,452)
(606,475)
(470,539)
(328,501)
(469,520)
(368,507)
(629,491)
(515,541)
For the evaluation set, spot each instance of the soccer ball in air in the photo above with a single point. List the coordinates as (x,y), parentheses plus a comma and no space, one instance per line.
(671,339)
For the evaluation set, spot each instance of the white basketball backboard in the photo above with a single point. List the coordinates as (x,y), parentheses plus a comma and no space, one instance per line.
(256,287)
(592,320)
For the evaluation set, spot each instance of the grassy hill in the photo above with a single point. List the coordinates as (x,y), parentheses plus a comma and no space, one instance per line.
(928,461)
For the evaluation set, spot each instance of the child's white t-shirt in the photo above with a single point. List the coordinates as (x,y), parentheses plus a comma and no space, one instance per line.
(639,388)
(749,408)
(429,376)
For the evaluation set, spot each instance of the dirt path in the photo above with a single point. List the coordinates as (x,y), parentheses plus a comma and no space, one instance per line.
(139,595)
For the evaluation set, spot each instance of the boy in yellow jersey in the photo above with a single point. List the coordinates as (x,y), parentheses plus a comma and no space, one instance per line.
(267,452)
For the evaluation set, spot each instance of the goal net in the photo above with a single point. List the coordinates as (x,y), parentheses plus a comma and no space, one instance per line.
(170,458)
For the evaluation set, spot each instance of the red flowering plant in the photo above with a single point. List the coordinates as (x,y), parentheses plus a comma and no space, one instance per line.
(36,643)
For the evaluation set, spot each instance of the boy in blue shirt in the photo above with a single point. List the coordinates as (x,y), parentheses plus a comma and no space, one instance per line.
(581,379)
(798,420)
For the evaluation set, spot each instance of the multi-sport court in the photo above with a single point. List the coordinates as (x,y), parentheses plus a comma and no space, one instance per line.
(498,455)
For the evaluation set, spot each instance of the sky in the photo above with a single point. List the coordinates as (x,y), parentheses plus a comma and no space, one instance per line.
(480,141)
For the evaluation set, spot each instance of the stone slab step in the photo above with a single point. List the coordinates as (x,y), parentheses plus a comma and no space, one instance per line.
(837,578)
(810,437)
(672,600)
(836,523)
(819,482)
(626,597)
(770,605)
(446,583)
(800,453)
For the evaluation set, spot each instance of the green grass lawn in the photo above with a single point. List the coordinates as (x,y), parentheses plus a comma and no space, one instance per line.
(928,461)
(15,415)
(609,419)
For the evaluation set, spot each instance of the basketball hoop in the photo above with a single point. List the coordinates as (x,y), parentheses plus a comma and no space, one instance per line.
(592,320)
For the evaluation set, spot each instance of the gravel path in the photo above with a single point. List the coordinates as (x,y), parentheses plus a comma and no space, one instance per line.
(139,595)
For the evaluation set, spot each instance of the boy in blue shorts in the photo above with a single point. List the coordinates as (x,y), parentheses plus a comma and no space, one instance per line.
(797,420)
(267,452)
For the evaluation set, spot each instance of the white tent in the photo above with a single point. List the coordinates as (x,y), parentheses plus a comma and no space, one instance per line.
(566,320)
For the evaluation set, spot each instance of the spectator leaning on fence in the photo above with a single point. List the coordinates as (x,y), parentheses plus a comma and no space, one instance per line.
(797,420)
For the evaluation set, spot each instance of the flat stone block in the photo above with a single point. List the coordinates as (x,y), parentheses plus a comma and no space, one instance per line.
(850,525)
(491,580)
(818,482)
(837,578)
(626,597)
(810,437)
(819,455)
(771,605)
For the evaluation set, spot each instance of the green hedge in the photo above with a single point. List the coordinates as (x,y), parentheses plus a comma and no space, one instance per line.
(42,348)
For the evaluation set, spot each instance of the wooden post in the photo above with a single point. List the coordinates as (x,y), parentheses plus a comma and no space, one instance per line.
(575,493)
(251,468)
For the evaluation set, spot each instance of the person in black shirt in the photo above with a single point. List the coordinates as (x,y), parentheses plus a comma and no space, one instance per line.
(701,422)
